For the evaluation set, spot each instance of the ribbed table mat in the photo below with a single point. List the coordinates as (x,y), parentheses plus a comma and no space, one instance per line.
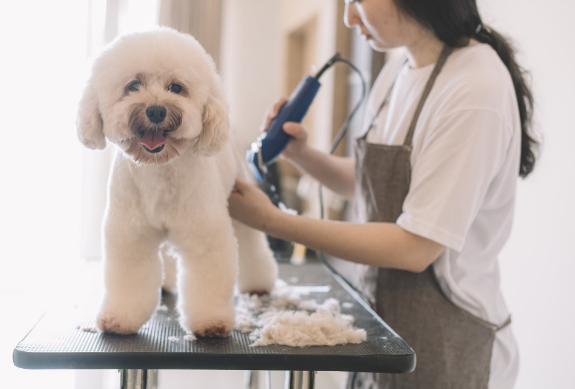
(59,340)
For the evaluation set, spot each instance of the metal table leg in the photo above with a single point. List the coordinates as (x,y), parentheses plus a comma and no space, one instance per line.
(300,380)
(138,379)
(268,379)
(251,379)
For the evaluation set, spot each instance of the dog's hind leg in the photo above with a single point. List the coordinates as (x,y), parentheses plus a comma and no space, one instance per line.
(206,274)
(258,268)
(132,276)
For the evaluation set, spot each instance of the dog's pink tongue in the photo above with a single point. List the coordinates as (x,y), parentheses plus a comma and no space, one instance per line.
(153,139)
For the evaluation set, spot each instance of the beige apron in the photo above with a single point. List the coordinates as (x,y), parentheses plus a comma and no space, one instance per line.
(453,347)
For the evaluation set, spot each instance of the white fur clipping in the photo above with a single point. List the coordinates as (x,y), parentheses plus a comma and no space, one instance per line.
(284,318)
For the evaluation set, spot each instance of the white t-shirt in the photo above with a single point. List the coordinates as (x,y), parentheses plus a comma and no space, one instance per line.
(465,164)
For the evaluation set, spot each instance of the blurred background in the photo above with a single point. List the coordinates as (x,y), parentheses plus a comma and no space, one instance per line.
(53,190)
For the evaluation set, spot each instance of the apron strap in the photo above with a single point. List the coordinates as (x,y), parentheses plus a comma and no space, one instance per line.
(505,324)
(438,66)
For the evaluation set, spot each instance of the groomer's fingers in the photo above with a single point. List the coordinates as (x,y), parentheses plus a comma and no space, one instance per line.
(276,108)
(299,142)
(295,129)
(271,113)
(240,186)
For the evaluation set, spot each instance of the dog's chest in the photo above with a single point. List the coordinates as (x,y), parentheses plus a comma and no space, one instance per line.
(173,196)
(160,192)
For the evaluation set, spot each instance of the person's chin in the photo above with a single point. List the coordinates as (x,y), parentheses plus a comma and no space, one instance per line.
(377,46)
(380,46)
(372,42)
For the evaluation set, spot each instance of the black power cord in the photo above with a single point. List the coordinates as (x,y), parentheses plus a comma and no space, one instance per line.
(335,143)
(272,191)
(343,130)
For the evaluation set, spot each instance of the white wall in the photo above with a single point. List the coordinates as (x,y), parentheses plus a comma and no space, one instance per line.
(41,78)
(251,60)
(538,263)
(294,14)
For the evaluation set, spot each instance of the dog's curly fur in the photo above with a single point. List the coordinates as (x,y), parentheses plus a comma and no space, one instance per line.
(177,196)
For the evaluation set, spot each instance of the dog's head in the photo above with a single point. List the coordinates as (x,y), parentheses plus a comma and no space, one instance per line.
(156,95)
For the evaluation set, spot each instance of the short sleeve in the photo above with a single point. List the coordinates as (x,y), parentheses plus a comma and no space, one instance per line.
(458,159)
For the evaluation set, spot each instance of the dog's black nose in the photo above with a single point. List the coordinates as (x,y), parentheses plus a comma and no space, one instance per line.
(156,113)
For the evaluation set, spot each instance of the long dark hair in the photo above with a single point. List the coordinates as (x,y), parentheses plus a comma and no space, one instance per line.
(454,22)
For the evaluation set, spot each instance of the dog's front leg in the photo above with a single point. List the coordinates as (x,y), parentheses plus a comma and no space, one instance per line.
(132,275)
(207,274)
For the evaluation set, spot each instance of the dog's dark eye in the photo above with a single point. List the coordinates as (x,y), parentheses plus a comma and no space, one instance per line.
(134,86)
(175,88)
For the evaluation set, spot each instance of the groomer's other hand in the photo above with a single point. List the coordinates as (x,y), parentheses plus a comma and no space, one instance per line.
(271,113)
(251,206)
(298,143)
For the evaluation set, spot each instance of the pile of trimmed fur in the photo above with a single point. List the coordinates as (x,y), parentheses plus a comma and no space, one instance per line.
(284,318)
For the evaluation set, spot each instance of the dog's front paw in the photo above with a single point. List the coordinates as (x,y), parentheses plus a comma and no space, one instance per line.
(209,322)
(214,330)
(117,324)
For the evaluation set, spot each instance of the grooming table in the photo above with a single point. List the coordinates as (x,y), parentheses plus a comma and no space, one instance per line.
(60,341)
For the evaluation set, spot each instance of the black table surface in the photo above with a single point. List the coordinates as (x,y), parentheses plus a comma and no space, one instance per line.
(59,340)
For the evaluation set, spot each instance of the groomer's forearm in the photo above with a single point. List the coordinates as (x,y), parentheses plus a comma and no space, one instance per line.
(377,244)
(336,173)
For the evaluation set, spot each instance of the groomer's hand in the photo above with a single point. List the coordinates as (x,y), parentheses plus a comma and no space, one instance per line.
(298,143)
(251,206)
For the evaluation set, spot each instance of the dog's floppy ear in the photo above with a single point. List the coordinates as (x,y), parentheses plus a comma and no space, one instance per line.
(216,123)
(89,121)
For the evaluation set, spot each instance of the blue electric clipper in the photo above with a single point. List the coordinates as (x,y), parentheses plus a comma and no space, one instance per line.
(271,143)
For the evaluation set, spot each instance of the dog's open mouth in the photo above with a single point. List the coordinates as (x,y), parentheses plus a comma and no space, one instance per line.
(156,150)
(153,141)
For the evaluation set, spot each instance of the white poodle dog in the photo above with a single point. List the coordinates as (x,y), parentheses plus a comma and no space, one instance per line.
(156,95)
